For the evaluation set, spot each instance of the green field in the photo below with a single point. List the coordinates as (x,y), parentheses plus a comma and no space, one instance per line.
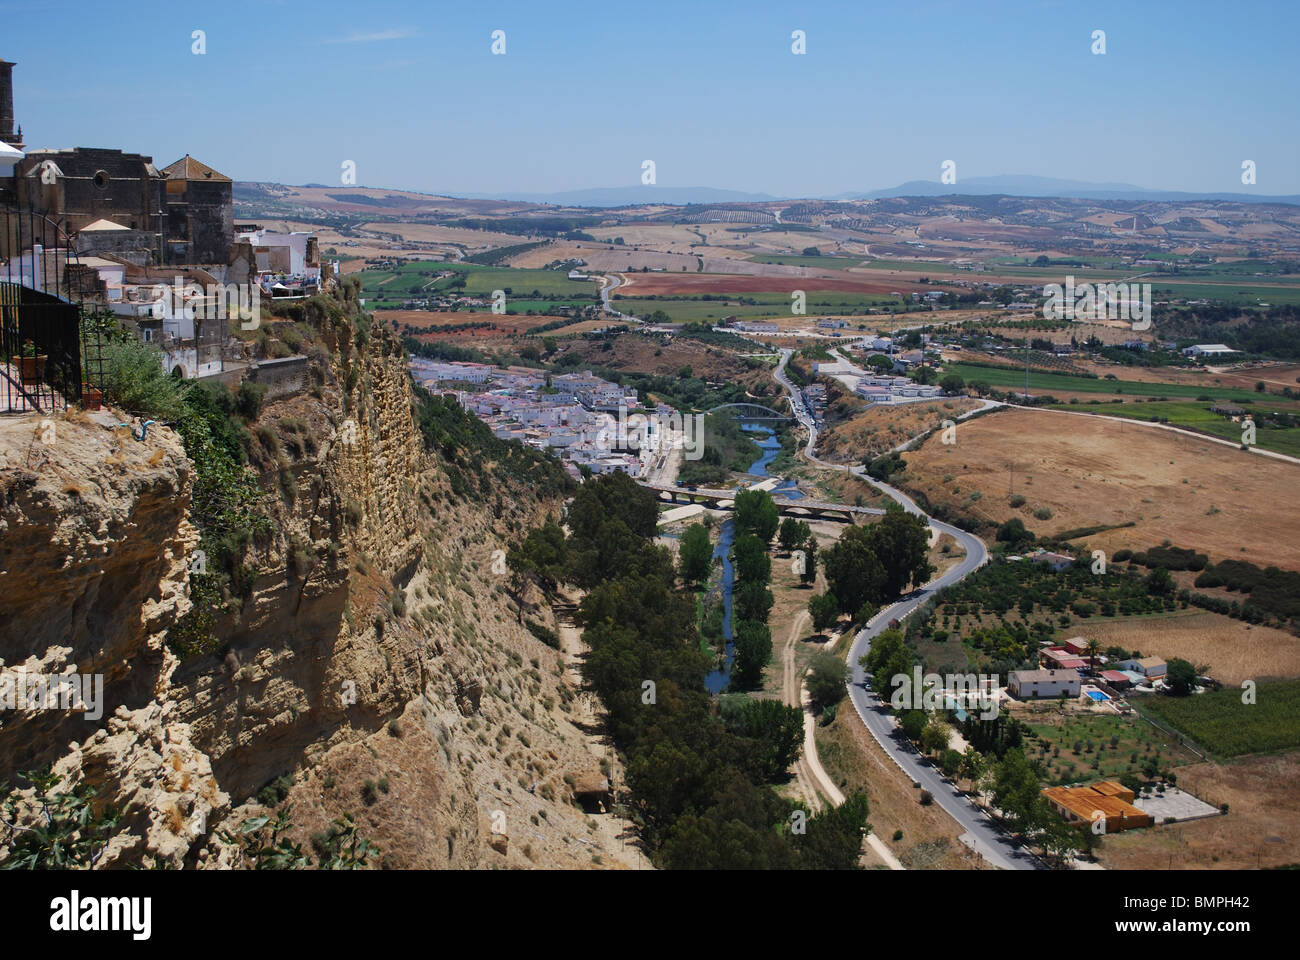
(1225,726)
(1087,747)
(819,303)
(1229,283)
(1186,410)
(1039,382)
(1245,294)
(1041,274)
(411,280)
(1197,416)
(512,304)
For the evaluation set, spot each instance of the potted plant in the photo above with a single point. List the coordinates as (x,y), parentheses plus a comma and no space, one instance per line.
(31,363)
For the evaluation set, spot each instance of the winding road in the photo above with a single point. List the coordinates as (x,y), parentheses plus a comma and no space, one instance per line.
(608,283)
(982,834)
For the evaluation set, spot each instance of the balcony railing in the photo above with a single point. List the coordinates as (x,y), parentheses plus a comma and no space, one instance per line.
(43,361)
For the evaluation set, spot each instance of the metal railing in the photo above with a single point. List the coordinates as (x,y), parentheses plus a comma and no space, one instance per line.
(42,357)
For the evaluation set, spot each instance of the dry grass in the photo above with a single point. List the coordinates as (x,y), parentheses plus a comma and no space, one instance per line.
(1090,472)
(1234,650)
(877,430)
(854,760)
(1262,828)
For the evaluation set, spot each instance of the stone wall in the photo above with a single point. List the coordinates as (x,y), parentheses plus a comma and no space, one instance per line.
(282,377)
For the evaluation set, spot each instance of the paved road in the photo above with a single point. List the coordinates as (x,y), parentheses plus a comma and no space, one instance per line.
(608,288)
(982,835)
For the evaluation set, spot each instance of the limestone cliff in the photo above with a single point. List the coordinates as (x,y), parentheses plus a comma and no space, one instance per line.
(374,665)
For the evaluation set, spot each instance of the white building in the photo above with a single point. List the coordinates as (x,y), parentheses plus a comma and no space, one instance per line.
(1208,350)
(1036,684)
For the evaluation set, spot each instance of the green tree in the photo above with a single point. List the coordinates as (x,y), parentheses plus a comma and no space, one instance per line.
(753,652)
(901,542)
(135,380)
(953,384)
(1016,792)
(1181,677)
(935,736)
(825,610)
(827,676)
(756,513)
(750,560)
(913,723)
(751,600)
(541,557)
(56,830)
(790,535)
(834,838)
(1092,648)
(853,571)
(695,555)
(890,658)
(777,728)
(972,766)
(1160,583)
(950,762)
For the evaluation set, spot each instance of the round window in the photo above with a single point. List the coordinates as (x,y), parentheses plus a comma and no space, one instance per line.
(100,179)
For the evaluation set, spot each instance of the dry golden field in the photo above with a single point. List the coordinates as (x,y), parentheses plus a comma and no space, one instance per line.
(472,240)
(1262,828)
(1215,498)
(1234,650)
(879,429)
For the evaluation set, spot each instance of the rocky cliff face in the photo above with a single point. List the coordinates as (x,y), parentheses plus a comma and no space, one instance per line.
(376,667)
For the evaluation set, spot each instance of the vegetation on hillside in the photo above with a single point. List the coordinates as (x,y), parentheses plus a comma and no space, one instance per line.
(700,779)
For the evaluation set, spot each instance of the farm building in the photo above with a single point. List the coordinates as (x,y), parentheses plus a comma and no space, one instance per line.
(1034,684)
(1058,659)
(1057,561)
(1227,410)
(1076,645)
(1151,668)
(1208,350)
(1108,801)
(1116,678)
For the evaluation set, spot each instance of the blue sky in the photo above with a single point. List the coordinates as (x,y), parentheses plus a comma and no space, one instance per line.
(711,91)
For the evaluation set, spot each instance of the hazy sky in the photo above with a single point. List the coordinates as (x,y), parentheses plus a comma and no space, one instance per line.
(887,91)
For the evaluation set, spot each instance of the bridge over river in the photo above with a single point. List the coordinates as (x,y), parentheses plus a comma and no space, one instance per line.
(726,500)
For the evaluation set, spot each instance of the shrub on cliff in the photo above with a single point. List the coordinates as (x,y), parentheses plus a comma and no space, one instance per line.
(136,382)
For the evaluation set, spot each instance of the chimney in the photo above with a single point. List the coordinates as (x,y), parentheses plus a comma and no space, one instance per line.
(7,104)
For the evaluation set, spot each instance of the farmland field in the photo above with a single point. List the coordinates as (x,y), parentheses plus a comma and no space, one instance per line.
(1258,832)
(417,279)
(824,263)
(1014,378)
(765,307)
(1198,416)
(1221,723)
(1232,649)
(1088,471)
(1073,746)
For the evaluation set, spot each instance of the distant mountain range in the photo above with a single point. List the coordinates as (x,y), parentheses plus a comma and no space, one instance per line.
(1015,185)
(1024,185)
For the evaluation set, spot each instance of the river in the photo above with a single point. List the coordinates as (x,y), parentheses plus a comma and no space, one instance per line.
(717,680)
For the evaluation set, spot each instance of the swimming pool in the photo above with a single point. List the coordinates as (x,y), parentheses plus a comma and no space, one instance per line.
(1097,695)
